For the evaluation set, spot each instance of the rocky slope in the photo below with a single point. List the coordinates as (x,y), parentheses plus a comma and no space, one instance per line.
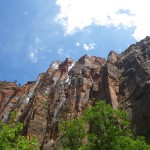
(66,88)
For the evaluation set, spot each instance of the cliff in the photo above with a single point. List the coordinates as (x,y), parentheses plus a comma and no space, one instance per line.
(66,88)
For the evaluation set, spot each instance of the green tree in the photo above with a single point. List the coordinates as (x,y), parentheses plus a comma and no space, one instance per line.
(105,125)
(100,128)
(69,138)
(128,143)
(11,138)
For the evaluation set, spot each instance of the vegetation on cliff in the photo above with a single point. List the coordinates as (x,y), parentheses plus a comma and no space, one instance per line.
(11,138)
(100,128)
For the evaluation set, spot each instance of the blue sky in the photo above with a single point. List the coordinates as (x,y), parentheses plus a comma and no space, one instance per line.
(33,33)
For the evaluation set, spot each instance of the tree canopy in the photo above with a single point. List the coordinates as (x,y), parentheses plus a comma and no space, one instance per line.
(100,128)
(11,138)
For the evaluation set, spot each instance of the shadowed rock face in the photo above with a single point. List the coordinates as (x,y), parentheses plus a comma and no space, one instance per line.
(66,88)
(134,87)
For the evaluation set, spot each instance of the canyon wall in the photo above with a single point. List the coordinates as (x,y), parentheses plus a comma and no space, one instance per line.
(67,88)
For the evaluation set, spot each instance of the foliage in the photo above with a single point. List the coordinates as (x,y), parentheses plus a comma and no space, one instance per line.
(122,78)
(11,138)
(2,83)
(105,125)
(121,59)
(100,128)
(70,138)
(128,143)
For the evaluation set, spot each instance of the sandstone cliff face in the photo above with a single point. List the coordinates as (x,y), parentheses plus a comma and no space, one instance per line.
(66,88)
(134,87)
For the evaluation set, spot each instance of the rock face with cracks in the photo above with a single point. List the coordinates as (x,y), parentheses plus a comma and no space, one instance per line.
(67,88)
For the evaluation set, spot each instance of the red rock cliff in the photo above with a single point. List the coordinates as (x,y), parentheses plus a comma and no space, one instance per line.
(66,88)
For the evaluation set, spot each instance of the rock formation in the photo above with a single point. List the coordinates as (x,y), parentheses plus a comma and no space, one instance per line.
(66,88)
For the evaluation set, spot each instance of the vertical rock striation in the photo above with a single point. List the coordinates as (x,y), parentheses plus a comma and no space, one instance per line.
(66,88)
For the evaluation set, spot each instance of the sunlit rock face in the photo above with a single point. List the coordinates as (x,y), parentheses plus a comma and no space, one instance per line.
(67,88)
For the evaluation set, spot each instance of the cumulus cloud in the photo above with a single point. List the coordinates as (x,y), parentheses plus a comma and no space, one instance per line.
(89,46)
(75,15)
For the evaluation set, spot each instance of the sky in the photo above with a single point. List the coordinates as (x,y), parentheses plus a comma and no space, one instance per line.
(34,33)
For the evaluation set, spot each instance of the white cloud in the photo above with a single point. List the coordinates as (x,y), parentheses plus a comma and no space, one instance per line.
(89,46)
(77,44)
(36,50)
(77,14)
(33,57)
(60,51)
(37,41)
